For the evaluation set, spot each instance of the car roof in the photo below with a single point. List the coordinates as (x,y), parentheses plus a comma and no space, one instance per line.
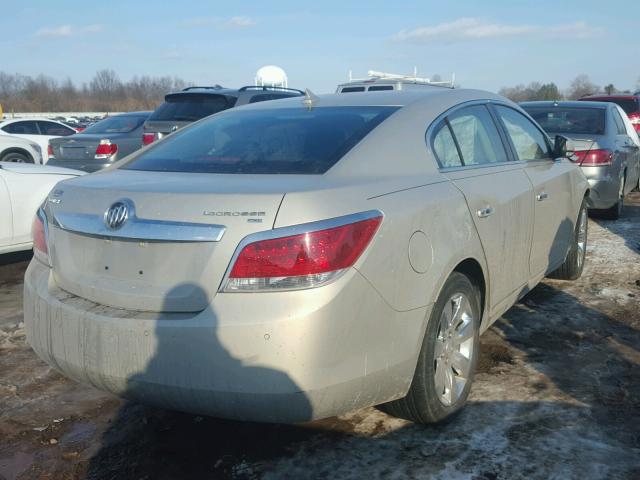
(131,114)
(397,98)
(249,89)
(22,119)
(567,103)
(628,96)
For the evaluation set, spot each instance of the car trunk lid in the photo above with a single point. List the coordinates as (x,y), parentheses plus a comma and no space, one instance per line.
(173,250)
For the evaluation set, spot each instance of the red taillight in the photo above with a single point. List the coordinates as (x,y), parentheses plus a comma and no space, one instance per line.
(301,261)
(148,138)
(50,150)
(39,235)
(106,149)
(635,121)
(597,158)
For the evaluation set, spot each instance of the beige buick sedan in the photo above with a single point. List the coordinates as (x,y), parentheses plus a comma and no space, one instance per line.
(301,258)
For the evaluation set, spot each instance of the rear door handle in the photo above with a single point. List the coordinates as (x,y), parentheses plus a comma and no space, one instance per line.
(542,196)
(484,212)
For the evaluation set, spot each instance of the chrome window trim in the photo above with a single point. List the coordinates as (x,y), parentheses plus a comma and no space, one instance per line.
(442,117)
(295,230)
(138,228)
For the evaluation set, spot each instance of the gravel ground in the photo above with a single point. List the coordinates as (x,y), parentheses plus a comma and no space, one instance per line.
(557,396)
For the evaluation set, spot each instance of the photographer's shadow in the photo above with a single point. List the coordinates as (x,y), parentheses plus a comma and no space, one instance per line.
(153,439)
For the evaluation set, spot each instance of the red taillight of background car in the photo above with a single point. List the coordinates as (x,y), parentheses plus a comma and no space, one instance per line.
(39,236)
(106,149)
(635,120)
(148,138)
(594,158)
(50,151)
(301,261)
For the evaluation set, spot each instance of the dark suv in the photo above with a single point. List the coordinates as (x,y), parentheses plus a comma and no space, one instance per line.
(629,103)
(193,103)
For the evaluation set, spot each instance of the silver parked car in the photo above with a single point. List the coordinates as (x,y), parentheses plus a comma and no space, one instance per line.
(605,143)
(101,144)
(297,259)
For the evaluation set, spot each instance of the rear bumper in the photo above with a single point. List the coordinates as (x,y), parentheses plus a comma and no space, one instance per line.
(603,187)
(275,357)
(85,166)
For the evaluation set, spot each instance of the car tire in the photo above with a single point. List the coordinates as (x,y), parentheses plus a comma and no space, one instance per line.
(16,157)
(445,360)
(615,211)
(573,265)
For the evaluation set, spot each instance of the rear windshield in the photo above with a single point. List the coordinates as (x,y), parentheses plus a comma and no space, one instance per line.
(189,107)
(265,141)
(119,124)
(569,119)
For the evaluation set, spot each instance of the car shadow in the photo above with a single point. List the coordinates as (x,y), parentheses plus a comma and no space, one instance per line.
(15,257)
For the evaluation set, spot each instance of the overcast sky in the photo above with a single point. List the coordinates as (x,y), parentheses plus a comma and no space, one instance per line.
(488,44)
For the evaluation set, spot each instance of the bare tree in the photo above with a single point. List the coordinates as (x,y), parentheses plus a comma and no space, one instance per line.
(581,86)
(105,92)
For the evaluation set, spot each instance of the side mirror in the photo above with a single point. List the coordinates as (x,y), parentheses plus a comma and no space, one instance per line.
(562,147)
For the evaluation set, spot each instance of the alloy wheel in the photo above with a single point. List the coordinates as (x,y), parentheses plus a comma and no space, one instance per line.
(582,237)
(454,349)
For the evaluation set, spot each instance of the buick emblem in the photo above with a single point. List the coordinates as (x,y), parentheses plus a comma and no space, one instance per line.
(116,215)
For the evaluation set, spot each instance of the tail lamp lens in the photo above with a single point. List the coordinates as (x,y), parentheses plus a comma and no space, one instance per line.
(595,158)
(39,234)
(50,151)
(106,149)
(301,261)
(148,138)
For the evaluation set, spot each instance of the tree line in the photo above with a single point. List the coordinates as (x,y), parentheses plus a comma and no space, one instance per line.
(579,87)
(104,93)
(107,93)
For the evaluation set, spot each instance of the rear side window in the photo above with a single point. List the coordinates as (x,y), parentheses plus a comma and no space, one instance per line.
(119,124)
(264,141)
(28,127)
(377,88)
(528,141)
(352,89)
(445,148)
(477,136)
(617,119)
(189,107)
(578,120)
(55,129)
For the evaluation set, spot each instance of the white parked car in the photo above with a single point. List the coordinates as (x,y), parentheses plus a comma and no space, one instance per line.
(14,149)
(39,130)
(23,188)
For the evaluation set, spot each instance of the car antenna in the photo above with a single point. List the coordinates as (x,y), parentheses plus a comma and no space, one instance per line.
(309,98)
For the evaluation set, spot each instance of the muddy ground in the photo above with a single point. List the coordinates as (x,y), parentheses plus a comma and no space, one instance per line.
(557,396)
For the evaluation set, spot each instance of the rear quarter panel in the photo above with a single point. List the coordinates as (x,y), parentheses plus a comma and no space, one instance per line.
(434,209)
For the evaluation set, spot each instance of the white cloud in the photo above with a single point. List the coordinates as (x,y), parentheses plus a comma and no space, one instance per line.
(61,31)
(577,29)
(95,28)
(67,30)
(465,29)
(241,22)
(220,23)
(172,53)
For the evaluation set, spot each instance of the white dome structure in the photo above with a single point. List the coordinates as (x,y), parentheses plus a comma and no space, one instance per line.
(271,76)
